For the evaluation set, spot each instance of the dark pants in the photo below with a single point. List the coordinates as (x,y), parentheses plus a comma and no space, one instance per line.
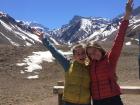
(68,103)
(109,101)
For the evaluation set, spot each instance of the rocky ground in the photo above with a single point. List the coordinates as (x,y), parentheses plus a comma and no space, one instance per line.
(15,89)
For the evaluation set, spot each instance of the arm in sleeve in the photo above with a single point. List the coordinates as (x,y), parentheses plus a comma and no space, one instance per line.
(115,52)
(56,54)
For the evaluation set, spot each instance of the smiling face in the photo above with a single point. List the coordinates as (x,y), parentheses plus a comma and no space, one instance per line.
(79,54)
(94,53)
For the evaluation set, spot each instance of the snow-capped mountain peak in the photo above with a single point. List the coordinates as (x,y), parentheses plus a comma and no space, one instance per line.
(79,29)
(85,23)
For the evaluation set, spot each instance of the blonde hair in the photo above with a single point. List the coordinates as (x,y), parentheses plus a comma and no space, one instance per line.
(97,46)
(77,46)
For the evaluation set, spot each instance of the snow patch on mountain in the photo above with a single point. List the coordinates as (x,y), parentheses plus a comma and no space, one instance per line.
(54,41)
(33,63)
(13,43)
(85,25)
(128,43)
(7,27)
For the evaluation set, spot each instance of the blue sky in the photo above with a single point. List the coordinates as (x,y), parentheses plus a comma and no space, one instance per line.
(54,13)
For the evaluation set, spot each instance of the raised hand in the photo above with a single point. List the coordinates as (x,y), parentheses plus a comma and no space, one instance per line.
(128,9)
(40,35)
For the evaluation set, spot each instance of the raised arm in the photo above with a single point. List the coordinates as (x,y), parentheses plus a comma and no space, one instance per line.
(56,54)
(115,52)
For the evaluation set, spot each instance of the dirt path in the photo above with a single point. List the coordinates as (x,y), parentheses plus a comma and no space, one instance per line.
(25,92)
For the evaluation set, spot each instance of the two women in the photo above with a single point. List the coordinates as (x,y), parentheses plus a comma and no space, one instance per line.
(100,78)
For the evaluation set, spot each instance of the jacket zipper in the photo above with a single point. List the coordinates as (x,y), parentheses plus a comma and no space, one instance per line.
(97,82)
(80,87)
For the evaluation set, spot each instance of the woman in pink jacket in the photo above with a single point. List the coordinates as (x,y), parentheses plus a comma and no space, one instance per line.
(104,87)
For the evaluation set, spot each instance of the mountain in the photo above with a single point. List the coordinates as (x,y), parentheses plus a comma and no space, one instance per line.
(38,26)
(85,29)
(20,33)
(15,32)
(79,29)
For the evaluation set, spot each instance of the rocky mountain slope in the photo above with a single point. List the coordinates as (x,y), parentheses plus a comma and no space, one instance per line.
(19,33)
(96,29)
(79,29)
(15,33)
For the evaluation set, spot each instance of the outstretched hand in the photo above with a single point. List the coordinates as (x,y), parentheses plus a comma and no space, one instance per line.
(40,35)
(128,9)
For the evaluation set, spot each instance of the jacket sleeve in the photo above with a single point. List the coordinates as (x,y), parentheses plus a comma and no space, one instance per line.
(115,52)
(56,54)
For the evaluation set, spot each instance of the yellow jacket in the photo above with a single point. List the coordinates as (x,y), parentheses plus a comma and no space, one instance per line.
(77,79)
(77,84)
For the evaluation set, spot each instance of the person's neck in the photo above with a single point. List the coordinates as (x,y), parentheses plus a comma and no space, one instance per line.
(79,62)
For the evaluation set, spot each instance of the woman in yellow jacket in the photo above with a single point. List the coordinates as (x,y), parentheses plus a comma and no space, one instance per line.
(77,79)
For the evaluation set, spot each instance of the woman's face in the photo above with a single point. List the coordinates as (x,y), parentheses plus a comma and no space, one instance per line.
(80,55)
(94,53)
